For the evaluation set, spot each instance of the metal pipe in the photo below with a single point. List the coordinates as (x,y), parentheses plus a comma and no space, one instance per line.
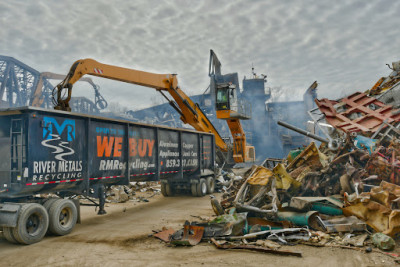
(303,132)
(297,218)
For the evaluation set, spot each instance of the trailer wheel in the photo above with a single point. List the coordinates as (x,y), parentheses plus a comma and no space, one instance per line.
(8,235)
(201,188)
(167,190)
(32,224)
(164,189)
(170,189)
(193,189)
(47,206)
(63,216)
(48,203)
(210,185)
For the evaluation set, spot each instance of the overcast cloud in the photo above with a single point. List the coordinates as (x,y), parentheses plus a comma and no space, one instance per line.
(344,44)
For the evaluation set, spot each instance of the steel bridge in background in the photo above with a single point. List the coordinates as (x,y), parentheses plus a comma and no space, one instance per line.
(19,83)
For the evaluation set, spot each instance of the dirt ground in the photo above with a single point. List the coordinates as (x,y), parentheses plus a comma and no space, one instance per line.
(121,238)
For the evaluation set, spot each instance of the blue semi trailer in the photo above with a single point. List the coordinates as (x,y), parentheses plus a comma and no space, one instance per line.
(70,155)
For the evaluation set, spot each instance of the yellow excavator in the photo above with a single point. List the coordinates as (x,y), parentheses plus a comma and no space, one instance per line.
(229,107)
(386,83)
(227,110)
(190,112)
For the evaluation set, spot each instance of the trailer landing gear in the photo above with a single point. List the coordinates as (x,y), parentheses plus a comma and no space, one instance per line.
(102,200)
(97,191)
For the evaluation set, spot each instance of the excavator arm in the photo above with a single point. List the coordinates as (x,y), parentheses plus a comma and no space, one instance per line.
(189,111)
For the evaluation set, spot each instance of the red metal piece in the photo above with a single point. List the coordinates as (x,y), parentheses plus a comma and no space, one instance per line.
(192,235)
(357,113)
(165,234)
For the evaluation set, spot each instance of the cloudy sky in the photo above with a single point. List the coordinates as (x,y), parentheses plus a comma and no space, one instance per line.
(342,44)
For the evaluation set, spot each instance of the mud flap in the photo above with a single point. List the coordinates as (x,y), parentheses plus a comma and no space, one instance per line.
(9,214)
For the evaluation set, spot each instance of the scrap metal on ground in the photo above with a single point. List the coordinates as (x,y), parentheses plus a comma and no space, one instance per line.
(320,197)
(124,193)
(343,193)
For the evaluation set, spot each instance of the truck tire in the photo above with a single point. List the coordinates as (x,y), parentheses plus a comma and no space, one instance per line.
(201,188)
(164,189)
(210,182)
(167,190)
(32,224)
(193,189)
(63,216)
(8,235)
(216,206)
(47,206)
(48,203)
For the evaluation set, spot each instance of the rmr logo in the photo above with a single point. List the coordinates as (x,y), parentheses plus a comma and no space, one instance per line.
(50,124)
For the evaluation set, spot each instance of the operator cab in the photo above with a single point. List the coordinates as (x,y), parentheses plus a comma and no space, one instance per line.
(228,105)
(226,97)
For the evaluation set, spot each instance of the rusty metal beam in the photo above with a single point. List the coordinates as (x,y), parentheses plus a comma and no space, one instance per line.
(357,113)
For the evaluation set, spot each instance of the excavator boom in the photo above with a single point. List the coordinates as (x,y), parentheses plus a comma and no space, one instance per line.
(189,111)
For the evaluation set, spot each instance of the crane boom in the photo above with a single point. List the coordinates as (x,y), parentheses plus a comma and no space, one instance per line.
(189,111)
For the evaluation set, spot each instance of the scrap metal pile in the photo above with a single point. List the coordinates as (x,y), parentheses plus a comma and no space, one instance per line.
(345,192)
(135,191)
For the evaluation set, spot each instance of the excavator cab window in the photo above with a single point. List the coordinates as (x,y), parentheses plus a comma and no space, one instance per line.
(223,98)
